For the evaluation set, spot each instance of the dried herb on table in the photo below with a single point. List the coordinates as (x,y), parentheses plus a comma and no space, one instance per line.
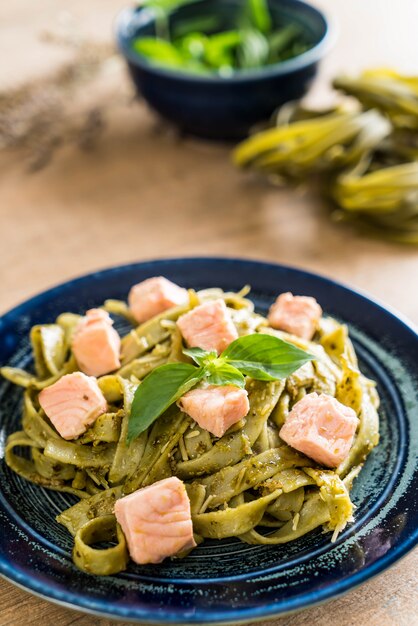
(41,116)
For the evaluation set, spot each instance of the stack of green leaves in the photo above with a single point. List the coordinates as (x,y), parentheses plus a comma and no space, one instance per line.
(366,159)
(201,45)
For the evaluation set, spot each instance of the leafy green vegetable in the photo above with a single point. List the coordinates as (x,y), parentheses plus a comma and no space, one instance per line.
(201,357)
(166,54)
(281,40)
(165,5)
(162,10)
(193,45)
(160,51)
(254,49)
(260,356)
(159,390)
(265,357)
(200,24)
(203,44)
(219,372)
(260,15)
(220,49)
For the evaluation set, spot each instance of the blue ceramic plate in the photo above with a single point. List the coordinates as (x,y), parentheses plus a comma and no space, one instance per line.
(224,581)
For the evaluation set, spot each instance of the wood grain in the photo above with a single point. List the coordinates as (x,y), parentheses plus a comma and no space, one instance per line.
(144,192)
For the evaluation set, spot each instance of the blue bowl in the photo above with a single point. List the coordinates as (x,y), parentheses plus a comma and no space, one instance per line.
(223,107)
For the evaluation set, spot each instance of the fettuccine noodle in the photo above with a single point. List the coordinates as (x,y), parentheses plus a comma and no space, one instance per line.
(247,484)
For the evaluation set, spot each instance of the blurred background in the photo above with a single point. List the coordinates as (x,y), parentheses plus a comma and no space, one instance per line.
(90,177)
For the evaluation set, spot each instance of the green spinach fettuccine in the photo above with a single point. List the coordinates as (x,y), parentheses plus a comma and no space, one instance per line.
(247,484)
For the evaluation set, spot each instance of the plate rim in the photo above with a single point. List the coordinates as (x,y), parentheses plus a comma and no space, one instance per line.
(39,296)
(335,590)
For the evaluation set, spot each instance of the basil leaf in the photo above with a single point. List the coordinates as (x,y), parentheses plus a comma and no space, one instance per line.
(161,388)
(265,357)
(223,373)
(201,357)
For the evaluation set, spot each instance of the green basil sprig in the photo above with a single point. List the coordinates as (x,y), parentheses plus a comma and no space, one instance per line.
(265,357)
(259,356)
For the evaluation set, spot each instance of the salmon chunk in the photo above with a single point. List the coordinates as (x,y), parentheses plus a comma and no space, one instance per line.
(96,345)
(208,326)
(298,315)
(73,403)
(322,428)
(153,296)
(156,521)
(216,408)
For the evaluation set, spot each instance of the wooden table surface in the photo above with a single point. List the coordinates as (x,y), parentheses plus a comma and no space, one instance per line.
(140,191)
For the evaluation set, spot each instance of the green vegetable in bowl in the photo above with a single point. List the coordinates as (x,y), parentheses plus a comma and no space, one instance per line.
(164,53)
(260,15)
(201,45)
